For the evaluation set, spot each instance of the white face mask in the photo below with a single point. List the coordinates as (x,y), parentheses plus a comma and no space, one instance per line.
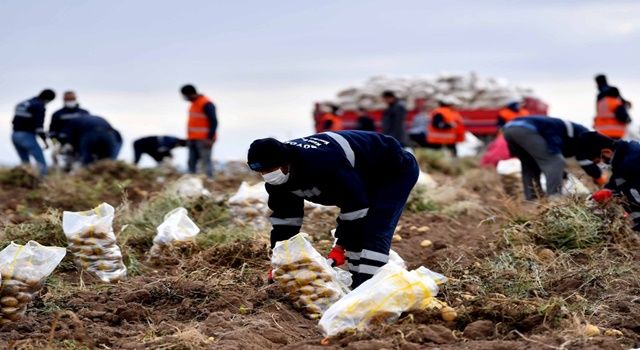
(604,166)
(276,177)
(71,104)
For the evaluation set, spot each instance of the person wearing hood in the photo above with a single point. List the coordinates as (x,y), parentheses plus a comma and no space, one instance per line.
(542,143)
(623,158)
(367,175)
(446,126)
(28,122)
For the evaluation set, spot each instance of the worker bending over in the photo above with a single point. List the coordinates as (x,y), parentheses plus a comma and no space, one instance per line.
(446,126)
(542,143)
(157,147)
(92,137)
(367,175)
(612,116)
(624,159)
(28,122)
(512,110)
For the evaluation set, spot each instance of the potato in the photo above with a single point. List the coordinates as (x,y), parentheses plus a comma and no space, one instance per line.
(591,330)
(305,277)
(24,297)
(4,321)
(8,310)
(9,301)
(307,290)
(448,313)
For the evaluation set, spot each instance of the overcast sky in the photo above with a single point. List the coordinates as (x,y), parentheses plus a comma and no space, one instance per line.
(264,63)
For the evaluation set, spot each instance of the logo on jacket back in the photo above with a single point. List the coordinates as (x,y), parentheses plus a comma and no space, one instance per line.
(307,193)
(308,142)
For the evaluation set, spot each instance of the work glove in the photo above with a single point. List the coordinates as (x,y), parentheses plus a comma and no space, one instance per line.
(270,276)
(601,181)
(336,256)
(602,196)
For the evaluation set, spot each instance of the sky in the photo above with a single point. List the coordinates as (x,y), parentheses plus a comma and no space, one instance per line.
(264,63)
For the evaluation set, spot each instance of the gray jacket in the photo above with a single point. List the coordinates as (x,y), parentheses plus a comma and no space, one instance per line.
(393,122)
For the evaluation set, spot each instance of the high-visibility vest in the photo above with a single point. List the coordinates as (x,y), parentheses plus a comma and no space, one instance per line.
(198,124)
(336,122)
(446,136)
(605,121)
(508,114)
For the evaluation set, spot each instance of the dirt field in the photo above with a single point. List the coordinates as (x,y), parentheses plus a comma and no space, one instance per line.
(508,294)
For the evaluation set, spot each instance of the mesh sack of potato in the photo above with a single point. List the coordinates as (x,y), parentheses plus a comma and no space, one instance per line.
(177,229)
(248,206)
(305,276)
(23,269)
(93,243)
(390,292)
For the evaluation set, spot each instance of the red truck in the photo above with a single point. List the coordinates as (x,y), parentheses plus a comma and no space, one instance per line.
(480,122)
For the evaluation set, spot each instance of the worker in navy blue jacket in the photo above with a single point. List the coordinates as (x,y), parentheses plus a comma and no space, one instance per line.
(367,175)
(92,137)
(542,143)
(28,121)
(157,147)
(623,158)
(71,109)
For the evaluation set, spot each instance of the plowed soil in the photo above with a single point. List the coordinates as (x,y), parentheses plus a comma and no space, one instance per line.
(217,298)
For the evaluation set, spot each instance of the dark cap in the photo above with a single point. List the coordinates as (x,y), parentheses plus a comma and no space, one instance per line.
(592,143)
(267,153)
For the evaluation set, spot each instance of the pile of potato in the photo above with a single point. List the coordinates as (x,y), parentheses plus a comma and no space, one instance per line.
(311,288)
(98,253)
(15,294)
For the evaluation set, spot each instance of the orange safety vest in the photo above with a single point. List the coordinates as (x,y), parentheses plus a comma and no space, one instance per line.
(198,124)
(605,121)
(336,122)
(446,136)
(507,114)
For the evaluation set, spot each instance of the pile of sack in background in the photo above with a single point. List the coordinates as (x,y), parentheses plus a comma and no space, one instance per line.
(472,91)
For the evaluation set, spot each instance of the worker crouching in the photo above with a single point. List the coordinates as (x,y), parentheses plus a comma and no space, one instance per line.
(367,175)
(623,157)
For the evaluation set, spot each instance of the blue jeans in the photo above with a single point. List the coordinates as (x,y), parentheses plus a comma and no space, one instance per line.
(27,145)
(199,153)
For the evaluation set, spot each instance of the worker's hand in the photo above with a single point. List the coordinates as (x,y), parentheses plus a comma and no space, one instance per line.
(602,196)
(601,181)
(337,257)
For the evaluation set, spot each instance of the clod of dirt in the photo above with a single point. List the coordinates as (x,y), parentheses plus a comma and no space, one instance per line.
(477,330)
(431,334)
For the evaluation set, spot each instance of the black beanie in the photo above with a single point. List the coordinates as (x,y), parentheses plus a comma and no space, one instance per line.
(592,143)
(267,153)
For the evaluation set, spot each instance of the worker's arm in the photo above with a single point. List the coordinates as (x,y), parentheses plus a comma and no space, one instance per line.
(54,126)
(210,112)
(38,114)
(353,202)
(438,122)
(287,214)
(622,115)
(501,121)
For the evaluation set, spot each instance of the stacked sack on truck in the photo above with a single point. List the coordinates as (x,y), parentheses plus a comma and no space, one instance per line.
(23,270)
(472,91)
(93,243)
